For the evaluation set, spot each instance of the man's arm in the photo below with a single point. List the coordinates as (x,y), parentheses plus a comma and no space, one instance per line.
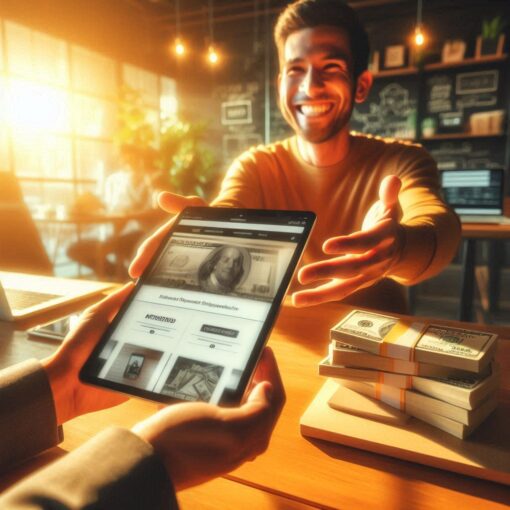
(408,235)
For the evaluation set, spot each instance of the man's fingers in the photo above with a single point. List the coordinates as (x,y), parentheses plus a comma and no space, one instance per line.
(359,242)
(369,263)
(389,190)
(334,290)
(174,204)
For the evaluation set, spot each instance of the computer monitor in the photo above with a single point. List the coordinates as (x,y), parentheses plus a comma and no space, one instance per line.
(477,192)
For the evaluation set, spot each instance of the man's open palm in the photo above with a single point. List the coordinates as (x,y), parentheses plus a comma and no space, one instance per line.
(361,258)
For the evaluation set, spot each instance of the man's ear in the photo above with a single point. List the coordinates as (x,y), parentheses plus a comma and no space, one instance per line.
(363,86)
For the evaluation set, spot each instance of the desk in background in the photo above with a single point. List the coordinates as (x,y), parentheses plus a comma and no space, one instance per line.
(82,222)
(471,234)
(295,472)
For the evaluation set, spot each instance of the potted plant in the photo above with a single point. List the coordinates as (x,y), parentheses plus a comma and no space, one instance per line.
(176,156)
(492,39)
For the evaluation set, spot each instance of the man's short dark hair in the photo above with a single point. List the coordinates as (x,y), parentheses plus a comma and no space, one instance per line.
(333,13)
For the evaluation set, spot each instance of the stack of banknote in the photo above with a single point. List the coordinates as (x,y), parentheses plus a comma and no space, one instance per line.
(442,375)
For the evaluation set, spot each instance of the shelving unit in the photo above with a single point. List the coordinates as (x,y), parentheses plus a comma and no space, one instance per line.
(459,136)
(436,66)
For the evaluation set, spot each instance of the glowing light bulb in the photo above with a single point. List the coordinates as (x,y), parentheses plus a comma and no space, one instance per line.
(180,49)
(212,55)
(419,38)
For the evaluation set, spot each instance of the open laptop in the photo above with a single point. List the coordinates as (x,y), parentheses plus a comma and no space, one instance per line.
(475,195)
(23,295)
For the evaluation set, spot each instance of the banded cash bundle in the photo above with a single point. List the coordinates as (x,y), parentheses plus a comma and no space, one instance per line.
(416,341)
(442,375)
(466,391)
(452,419)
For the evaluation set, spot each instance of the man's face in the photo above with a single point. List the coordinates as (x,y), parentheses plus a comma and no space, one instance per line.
(228,266)
(316,85)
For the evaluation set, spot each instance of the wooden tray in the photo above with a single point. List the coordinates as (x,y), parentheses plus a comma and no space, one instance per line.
(485,454)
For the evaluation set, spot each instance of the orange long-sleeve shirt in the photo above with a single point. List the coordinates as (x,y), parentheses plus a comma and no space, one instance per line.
(276,177)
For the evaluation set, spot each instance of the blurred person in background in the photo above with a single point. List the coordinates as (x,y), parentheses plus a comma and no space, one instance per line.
(128,192)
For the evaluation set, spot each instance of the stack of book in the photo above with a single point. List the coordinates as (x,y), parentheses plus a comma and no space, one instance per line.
(442,375)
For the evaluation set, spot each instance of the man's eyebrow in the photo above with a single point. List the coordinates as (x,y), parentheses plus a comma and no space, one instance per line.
(325,54)
(293,61)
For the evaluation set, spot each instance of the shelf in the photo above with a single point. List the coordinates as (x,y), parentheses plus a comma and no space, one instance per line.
(405,71)
(466,62)
(459,136)
(402,71)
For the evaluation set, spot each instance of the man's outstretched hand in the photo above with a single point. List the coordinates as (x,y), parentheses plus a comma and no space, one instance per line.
(361,258)
(169,202)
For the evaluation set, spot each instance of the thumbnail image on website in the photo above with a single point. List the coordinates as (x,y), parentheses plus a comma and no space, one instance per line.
(191,327)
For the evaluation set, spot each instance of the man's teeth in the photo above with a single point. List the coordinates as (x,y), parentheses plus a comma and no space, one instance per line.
(313,110)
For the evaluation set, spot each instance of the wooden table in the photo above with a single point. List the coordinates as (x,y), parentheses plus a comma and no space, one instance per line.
(471,233)
(295,472)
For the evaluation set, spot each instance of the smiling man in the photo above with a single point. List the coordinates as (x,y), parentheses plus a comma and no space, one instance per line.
(380,219)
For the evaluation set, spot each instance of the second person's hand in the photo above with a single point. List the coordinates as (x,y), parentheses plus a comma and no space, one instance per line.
(198,441)
(173,204)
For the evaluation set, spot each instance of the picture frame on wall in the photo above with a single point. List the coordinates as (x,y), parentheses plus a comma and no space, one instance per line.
(395,56)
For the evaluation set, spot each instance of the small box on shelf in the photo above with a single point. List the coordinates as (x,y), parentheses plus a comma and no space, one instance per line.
(487,123)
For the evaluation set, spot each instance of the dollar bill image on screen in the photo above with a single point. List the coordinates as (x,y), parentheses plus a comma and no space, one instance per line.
(221,265)
(192,380)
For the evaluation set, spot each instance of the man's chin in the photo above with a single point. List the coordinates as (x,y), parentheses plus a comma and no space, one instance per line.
(317,138)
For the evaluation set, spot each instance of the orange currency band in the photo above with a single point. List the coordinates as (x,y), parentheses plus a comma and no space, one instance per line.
(395,397)
(402,339)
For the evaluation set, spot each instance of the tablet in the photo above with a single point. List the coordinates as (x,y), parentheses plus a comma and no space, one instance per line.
(198,318)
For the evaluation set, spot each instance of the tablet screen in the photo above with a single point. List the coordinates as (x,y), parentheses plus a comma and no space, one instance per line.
(197,320)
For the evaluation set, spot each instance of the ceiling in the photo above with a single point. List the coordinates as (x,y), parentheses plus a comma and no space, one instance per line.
(194,14)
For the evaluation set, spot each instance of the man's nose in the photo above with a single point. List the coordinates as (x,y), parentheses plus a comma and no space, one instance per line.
(312,82)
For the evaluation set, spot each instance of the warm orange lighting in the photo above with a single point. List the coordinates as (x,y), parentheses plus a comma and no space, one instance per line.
(212,55)
(419,37)
(35,107)
(180,49)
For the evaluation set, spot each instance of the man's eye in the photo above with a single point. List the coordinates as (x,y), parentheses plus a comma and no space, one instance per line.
(334,68)
(291,71)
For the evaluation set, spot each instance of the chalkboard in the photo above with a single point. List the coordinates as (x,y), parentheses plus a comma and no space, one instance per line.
(453,95)
(467,153)
(390,110)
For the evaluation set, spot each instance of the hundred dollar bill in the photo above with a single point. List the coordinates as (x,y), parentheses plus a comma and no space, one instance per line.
(416,341)
(349,356)
(191,380)
(218,267)
(466,392)
(412,402)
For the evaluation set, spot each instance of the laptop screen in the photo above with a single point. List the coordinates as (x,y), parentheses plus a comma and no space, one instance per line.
(474,191)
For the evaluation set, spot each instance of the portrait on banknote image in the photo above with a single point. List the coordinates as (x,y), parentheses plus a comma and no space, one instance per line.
(192,380)
(224,269)
(250,270)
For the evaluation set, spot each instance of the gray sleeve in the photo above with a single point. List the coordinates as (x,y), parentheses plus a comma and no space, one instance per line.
(28,423)
(114,470)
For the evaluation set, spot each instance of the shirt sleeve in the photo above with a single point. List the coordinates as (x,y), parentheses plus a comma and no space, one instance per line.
(431,229)
(115,469)
(241,186)
(28,423)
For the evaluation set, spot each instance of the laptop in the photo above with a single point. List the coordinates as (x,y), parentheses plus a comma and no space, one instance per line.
(475,195)
(23,295)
